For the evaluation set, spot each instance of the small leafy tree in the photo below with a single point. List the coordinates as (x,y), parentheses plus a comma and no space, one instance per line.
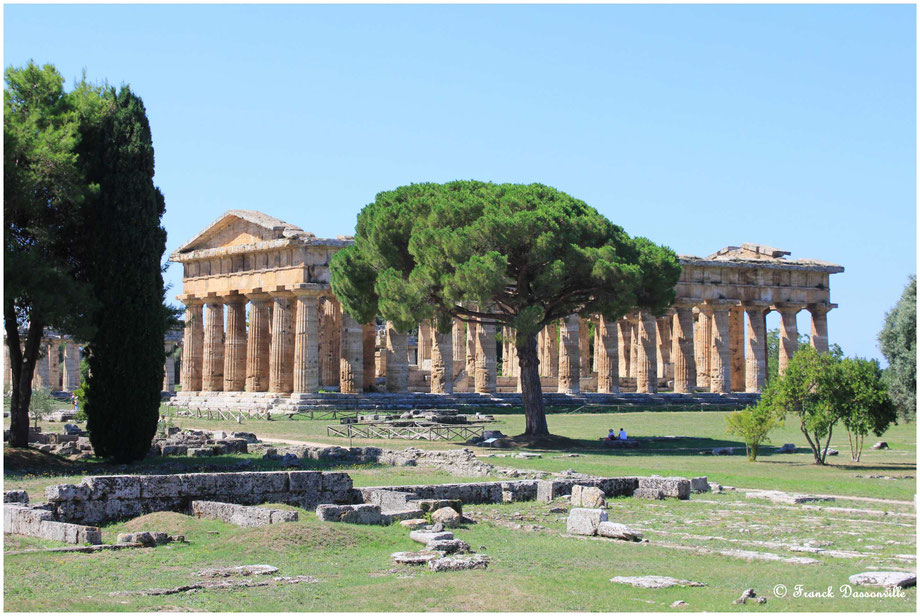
(898,342)
(500,254)
(806,390)
(862,400)
(41,404)
(753,424)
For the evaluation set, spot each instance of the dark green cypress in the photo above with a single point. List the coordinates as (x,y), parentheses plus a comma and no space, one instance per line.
(124,244)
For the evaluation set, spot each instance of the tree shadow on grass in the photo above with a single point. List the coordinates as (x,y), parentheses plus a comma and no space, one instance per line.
(23,462)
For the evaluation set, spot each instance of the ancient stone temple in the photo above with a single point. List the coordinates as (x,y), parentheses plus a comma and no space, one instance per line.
(263,327)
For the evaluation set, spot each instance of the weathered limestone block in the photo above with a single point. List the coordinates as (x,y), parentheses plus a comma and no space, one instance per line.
(23,520)
(653,581)
(68,492)
(550,489)
(426,537)
(698,485)
(434,504)
(449,546)
(241,515)
(614,530)
(584,521)
(16,496)
(649,493)
(671,487)
(352,514)
(446,516)
(421,557)
(459,563)
(587,496)
(887,579)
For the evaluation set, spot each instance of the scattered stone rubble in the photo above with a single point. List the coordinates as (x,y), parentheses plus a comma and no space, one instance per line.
(591,522)
(148,539)
(242,570)
(749,595)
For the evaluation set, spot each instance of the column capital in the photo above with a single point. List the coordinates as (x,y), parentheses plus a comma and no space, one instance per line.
(281,294)
(633,317)
(309,289)
(718,305)
(755,305)
(256,295)
(233,297)
(788,307)
(822,308)
(190,299)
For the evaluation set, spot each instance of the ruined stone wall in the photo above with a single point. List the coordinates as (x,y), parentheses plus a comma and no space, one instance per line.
(98,500)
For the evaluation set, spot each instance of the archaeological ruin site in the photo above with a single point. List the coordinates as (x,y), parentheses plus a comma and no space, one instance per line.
(299,342)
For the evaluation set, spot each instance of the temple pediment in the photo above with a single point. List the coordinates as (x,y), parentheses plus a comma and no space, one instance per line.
(750,252)
(242,228)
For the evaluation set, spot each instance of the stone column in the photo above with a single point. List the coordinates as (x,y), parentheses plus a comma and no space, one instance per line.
(368,342)
(606,342)
(72,366)
(7,368)
(41,378)
(486,365)
(257,348)
(471,349)
(682,349)
(634,346)
(702,335)
(736,347)
(169,368)
(819,325)
(192,347)
(306,341)
(281,362)
(584,347)
(549,359)
(235,344)
(755,371)
(720,376)
(330,326)
(459,340)
(647,356)
(54,364)
(212,364)
(665,369)
(424,345)
(788,333)
(513,366)
(397,360)
(351,371)
(569,356)
(624,345)
(442,363)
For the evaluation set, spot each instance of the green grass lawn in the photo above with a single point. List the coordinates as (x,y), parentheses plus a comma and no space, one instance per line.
(538,570)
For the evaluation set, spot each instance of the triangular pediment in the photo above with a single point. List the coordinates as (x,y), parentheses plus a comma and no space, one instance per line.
(240,228)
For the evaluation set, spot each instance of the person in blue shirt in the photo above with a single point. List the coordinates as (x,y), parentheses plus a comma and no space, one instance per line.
(622,434)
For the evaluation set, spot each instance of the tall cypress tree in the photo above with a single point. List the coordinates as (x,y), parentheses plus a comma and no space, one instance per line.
(124,245)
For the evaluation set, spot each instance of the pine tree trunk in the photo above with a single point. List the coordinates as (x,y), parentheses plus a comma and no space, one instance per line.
(531,391)
(22,365)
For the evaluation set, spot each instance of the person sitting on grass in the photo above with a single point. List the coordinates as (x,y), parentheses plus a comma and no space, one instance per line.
(611,435)
(622,434)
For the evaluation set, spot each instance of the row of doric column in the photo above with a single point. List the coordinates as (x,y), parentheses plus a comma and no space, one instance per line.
(698,345)
(296,341)
(50,371)
(293,336)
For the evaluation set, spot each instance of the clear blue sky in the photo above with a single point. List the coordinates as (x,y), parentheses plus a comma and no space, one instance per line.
(696,126)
